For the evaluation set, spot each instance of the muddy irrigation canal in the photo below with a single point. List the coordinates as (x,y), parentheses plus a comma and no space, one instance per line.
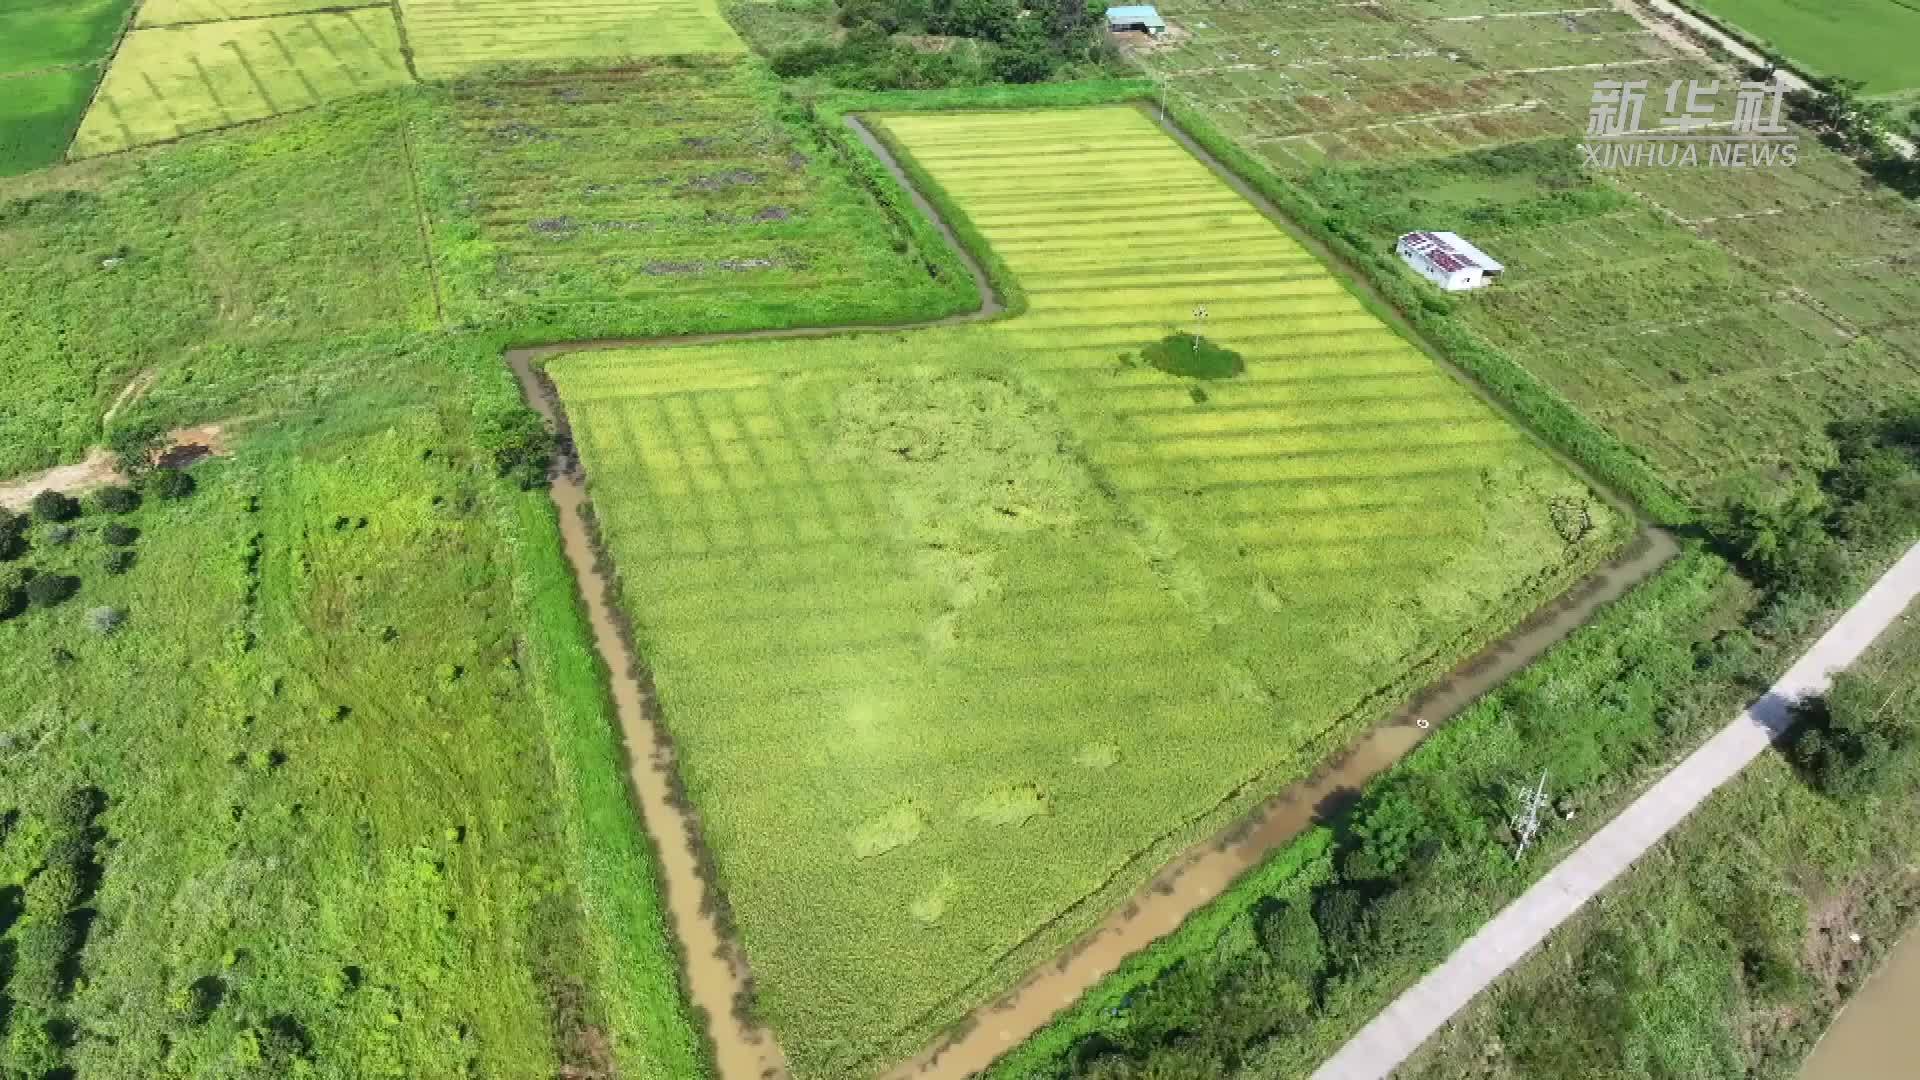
(716,976)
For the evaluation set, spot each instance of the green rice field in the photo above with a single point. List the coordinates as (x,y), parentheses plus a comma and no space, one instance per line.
(50,60)
(454,37)
(173,81)
(962,632)
(1874,40)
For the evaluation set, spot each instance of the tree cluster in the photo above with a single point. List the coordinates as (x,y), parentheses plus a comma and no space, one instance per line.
(1010,41)
(1855,124)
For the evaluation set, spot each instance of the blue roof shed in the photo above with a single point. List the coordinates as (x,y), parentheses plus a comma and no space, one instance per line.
(1135,17)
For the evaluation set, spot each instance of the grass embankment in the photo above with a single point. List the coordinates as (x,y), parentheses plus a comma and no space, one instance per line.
(359,801)
(51,57)
(936,610)
(1728,951)
(560,216)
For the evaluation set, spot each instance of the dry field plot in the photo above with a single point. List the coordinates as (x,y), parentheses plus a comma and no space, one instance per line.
(453,37)
(173,81)
(1715,320)
(961,632)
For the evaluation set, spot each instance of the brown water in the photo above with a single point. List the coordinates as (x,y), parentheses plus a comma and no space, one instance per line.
(1876,1036)
(716,974)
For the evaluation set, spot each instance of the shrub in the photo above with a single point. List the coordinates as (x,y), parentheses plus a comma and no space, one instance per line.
(519,443)
(120,535)
(168,484)
(47,590)
(116,499)
(118,561)
(13,593)
(13,535)
(105,620)
(54,506)
(133,444)
(1849,742)
(57,535)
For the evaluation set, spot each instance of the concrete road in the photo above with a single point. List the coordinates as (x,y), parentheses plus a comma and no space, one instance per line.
(1415,1015)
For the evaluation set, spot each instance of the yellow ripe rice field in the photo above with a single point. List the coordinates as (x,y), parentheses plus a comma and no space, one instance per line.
(961,633)
(454,37)
(167,82)
(178,12)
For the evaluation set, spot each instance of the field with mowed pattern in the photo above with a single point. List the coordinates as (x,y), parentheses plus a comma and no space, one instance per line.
(453,37)
(962,632)
(167,82)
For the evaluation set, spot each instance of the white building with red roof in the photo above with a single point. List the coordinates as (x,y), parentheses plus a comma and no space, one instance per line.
(1448,261)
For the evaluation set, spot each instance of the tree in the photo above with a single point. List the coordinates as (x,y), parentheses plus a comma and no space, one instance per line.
(120,535)
(13,535)
(13,593)
(52,506)
(1780,538)
(1027,57)
(133,443)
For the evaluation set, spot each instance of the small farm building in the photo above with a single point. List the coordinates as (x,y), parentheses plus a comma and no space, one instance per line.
(1448,261)
(1136,17)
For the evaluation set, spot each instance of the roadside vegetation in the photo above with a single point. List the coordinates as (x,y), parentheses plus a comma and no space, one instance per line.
(933,610)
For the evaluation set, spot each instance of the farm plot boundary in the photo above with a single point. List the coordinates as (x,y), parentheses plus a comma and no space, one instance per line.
(947,227)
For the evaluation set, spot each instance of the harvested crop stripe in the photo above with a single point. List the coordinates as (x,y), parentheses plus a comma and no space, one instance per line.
(174,81)
(451,37)
(962,632)
(176,12)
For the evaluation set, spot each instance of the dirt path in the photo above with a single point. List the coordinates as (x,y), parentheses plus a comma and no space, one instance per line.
(1402,1026)
(718,978)
(96,471)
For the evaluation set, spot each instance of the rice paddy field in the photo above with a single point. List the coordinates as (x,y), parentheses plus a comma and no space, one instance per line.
(666,198)
(1872,40)
(961,632)
(167,82)
(176,12)
(455,37)
(1714,320)
(50,60)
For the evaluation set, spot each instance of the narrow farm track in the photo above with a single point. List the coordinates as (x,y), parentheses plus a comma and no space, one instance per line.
(718,979)
(1510,936)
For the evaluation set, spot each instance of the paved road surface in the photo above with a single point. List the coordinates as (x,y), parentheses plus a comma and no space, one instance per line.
(1399,1030)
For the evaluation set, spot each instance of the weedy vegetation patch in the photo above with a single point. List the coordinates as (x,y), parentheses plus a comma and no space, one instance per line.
(929,612)
(669,198)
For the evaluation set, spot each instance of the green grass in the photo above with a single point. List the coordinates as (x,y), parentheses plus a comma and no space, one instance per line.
(238,261)
(932,611)
(36,35)
(675,197)
(40,114)
(1728,950)
(174,12)
(445,878)
(1858,39)
(458,37)
(168,82)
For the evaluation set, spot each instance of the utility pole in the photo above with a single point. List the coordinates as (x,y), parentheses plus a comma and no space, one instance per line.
(1527,822)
